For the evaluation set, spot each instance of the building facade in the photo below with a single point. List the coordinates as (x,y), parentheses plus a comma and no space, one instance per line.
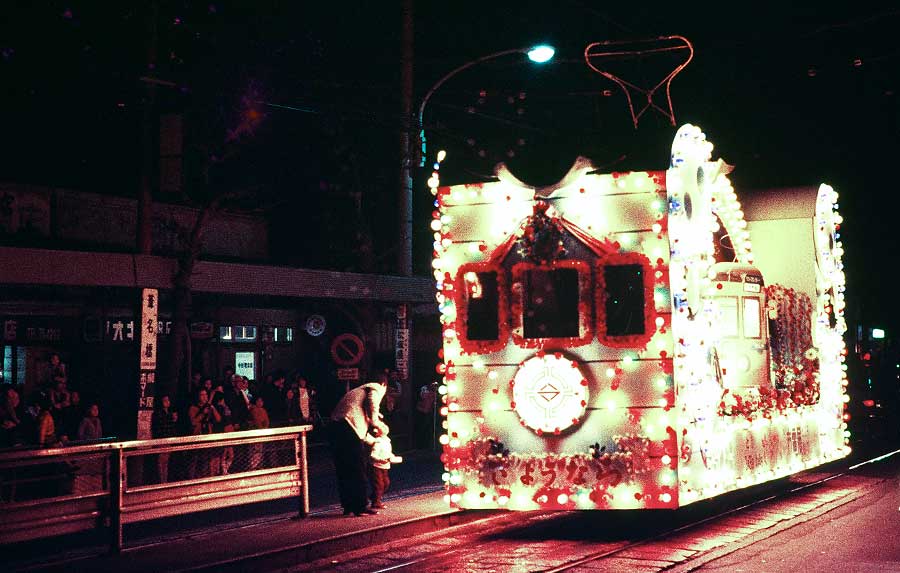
(70,286)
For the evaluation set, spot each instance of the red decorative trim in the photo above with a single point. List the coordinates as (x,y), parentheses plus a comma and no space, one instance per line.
(497,255)
(462,309)
(586,332)
(632,340)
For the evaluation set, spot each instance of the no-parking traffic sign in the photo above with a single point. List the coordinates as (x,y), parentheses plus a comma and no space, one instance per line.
(347,349)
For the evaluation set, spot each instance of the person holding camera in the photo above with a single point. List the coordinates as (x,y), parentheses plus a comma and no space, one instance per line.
(202,415)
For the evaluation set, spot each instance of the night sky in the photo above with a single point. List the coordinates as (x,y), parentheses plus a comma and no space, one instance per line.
(300,102)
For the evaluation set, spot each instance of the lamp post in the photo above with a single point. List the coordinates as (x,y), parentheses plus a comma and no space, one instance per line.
(538,54)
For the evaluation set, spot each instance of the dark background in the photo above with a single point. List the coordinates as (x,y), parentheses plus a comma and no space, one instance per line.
(299,102)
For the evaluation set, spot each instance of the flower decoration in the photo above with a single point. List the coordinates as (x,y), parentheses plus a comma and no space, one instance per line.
(542,237)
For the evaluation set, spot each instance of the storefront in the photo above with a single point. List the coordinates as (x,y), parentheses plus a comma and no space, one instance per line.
(336,343)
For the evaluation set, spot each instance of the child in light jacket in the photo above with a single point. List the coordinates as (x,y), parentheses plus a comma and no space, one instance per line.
(381,457)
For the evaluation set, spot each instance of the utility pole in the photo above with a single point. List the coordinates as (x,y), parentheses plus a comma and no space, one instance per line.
(149,309)
(406,180)
(148,142)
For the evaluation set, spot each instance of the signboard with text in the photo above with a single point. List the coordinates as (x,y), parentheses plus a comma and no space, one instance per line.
(348,373)
(401,349)
(148,341)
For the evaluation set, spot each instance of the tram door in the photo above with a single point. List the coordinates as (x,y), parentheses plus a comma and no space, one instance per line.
(743,346)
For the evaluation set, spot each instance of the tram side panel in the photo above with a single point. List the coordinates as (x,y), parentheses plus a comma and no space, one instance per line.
(796,421)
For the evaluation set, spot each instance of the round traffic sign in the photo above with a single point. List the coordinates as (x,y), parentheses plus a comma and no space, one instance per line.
(347,349)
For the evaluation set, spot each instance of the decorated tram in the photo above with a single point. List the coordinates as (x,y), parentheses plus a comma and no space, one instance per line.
(636,340)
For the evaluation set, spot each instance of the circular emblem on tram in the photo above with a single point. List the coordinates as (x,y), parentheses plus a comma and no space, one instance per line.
(549,393)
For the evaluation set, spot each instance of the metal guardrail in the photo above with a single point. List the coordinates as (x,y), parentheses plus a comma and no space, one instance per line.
(55,491)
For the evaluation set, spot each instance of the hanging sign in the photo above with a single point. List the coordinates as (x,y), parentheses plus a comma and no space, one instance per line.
(149,320)
(401,348)
(147,381)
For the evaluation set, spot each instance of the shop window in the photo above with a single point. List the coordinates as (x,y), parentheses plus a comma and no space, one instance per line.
(625,307)
(237,333)
(8,364)
(284,334)
(13,365)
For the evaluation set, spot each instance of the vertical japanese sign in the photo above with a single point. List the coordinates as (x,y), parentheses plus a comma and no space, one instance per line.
(149,318)
(401,349)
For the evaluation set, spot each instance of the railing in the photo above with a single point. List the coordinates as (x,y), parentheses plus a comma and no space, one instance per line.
(55,491)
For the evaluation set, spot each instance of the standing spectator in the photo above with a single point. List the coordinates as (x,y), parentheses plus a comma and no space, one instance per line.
(226,457)
(259,416)
(238,402)
(60,400)
(56,372)
(46,430)
(259,420)
(224,424)
(196,381)
(69,418)
(11,417)
(228,377)
(354,414)
(221,457)
(273,395)
(425,414)
(292,406)
(90,427)
(164,424)
(60,396)
(305,400)
(392,395)
(207,384)
(202,414)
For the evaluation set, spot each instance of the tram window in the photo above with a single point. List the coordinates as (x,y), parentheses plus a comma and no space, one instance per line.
(752,324)
(624,299)
(550,303)
(482,302)
(727,315)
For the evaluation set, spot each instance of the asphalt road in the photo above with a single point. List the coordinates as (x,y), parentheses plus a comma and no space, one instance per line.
(859,537)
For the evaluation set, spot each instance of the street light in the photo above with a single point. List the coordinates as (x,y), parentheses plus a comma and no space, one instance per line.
(538,54)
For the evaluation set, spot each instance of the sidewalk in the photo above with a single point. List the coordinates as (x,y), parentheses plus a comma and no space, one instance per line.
(296,540)
(415,506)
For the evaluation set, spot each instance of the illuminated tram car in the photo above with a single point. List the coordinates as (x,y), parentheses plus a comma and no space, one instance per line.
(611,342)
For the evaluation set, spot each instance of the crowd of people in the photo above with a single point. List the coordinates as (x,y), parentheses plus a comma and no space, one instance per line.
(356,424)
(237,403)
(56,416)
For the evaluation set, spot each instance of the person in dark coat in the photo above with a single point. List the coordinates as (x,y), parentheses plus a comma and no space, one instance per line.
(238,402)
(351,419)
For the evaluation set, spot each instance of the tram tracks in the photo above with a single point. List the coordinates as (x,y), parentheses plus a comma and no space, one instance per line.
(677,544)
